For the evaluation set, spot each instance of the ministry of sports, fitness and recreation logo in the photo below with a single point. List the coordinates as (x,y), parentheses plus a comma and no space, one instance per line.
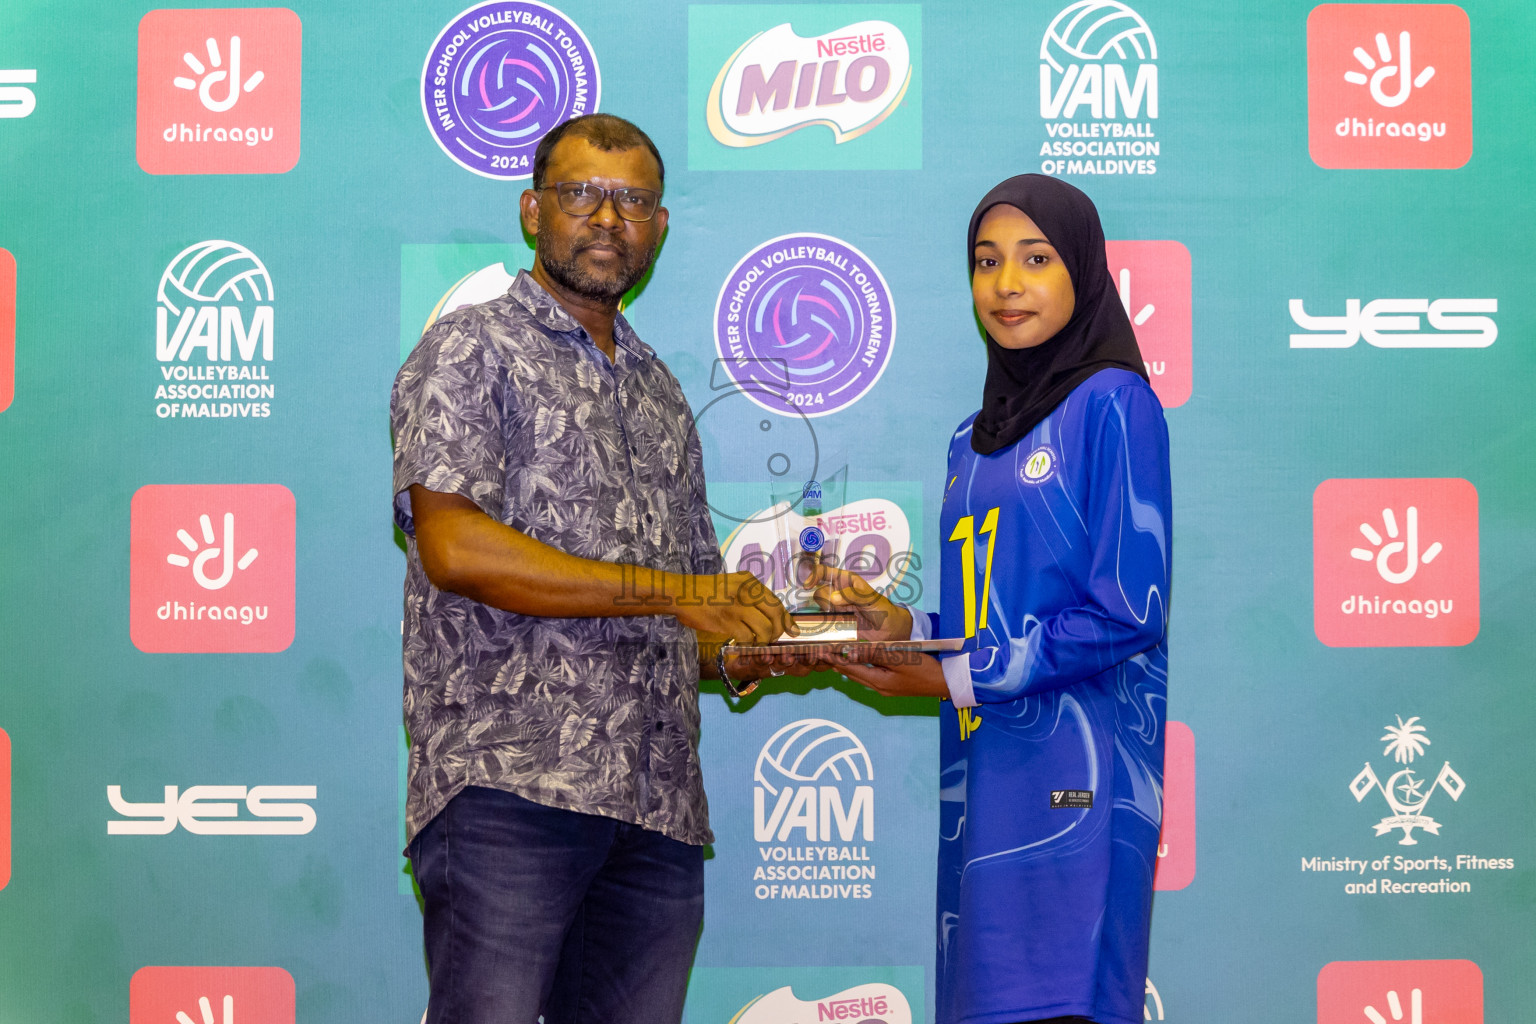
(1406,793)
(214,334)
(1099,91)
(805,324)
(499,77)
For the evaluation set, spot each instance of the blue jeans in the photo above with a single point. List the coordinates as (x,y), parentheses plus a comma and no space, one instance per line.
(535,910)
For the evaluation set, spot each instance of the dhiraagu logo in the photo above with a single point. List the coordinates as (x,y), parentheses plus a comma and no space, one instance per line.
(803,87)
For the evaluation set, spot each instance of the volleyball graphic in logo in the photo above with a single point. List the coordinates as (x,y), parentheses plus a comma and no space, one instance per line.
(214,272)
(805,324)
(1092,30)
(499,77)
(812,750)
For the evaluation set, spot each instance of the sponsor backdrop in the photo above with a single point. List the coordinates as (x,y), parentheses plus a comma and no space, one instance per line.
(221,229)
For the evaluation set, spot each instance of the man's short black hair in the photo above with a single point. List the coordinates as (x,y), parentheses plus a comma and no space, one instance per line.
(604,131)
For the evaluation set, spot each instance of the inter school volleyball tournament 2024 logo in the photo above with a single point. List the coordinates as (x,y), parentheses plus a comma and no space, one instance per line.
(211,995)
(211,568)
(214,327)
(219,91)
(1400,992)
(813,814)
(498,77)
(805,323)
(1099,91)
(1395,562)
(1389,85)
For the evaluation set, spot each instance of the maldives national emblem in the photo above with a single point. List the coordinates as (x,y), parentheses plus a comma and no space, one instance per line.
(1405,793)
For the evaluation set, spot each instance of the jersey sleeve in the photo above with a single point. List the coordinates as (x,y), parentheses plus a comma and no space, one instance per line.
(1124,605)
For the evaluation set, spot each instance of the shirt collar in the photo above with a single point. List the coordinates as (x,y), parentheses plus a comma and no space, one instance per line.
(532,296)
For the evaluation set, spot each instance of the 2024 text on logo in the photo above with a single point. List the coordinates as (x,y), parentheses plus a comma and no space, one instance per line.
(219,91)
(212,568)
(1395,562)
(211,995)
(1389,85)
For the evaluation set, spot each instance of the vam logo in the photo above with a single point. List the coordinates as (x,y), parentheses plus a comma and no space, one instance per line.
(1395,563)
(498,77)
(1400,992)
(847,80)
(1099,91)
(804,324)
(1154,282)
(1153,1009)
(813,790)
(219,91)
(213,811)
(7,329)
(212,568)
(874,1003)
(214,334)
(211,995)
(1395,323)
(16,100)
(1389,85)
(1404,792)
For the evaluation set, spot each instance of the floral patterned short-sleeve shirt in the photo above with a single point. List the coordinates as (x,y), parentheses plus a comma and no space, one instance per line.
(510,404)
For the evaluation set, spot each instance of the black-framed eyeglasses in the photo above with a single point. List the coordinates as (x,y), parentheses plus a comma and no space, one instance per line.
(582,199)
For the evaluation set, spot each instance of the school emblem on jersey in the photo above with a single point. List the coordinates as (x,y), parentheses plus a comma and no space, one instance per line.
(1039,467)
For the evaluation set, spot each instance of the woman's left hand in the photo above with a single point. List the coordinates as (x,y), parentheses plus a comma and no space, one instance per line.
(906,674)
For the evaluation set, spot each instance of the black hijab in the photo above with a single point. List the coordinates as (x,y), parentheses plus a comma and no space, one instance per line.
(1024,385)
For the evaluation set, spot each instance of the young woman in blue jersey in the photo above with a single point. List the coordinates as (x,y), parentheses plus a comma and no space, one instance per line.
(1055,569)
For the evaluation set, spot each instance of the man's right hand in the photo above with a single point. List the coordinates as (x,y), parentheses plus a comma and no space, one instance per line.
(736,605)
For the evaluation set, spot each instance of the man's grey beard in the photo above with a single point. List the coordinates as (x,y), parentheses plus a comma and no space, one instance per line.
(570,275)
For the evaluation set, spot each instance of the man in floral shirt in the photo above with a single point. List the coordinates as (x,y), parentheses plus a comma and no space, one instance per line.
(561,571)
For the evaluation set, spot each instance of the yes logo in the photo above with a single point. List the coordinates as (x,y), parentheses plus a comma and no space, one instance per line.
(1176,846)
(16,100)
(1400,992)
(212,811)
(219,91)
(1389,85)
(1154,282)
(212,568)
(211,995)
(1395,563)
(7,329)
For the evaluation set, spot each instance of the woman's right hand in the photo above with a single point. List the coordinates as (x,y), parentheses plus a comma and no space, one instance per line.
(844,592)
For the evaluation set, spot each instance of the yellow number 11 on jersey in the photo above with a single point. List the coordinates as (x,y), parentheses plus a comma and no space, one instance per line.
(965,532)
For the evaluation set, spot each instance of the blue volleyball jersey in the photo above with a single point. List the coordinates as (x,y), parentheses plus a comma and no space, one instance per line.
(1055,569)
